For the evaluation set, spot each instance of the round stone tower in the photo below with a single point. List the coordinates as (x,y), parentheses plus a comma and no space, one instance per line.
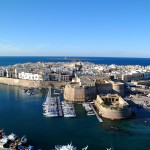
(118,88)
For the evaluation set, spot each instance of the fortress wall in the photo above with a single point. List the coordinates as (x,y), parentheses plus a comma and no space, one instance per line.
(118,88)
(69,93)
(90,92)
(104,88)
(79,93)
(28,83)
(114,114)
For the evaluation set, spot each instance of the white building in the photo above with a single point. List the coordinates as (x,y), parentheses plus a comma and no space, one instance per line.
(30,76)
(10,73)
(2,73)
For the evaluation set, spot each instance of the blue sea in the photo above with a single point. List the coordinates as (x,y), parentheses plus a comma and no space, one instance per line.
(5,61)
(22,114)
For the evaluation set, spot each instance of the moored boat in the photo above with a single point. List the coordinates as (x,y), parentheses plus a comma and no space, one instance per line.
(90,113)
(12,137)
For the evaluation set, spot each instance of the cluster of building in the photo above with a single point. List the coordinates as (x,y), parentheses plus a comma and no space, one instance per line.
(39,71)
(106,86)
(61,71)
(86,81)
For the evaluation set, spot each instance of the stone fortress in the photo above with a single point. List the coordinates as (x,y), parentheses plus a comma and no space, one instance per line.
(108,94)
(86,88)
(112,106)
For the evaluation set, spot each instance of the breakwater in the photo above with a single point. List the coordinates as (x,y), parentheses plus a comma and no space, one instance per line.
(28,83)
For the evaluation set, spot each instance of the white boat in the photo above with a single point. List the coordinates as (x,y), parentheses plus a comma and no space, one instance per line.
(3,141)
(12,136)
(28,92)
(50,114)
(65,147)
(90,113)
(87,106)
(24,140)
(57,92)
(85,148)
(68,147)
(69,115)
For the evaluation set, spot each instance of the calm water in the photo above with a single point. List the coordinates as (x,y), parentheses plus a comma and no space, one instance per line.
(22,114)
(4,61)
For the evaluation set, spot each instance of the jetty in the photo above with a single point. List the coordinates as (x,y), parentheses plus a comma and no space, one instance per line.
(59,107)
(98,117)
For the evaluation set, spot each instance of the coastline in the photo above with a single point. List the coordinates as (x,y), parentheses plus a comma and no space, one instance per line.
(28,83)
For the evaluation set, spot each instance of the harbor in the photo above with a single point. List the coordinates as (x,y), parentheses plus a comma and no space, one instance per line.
(54,107)
(23,114)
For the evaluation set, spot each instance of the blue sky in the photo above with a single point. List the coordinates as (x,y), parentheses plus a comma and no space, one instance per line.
(114,28)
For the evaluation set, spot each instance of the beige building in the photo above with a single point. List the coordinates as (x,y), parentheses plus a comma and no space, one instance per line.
(112,106)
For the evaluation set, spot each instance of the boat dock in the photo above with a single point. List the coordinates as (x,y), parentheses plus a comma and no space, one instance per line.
(100,120)
(59,107)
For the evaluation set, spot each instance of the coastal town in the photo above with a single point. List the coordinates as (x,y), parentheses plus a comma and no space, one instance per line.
(105,91)
(108,86)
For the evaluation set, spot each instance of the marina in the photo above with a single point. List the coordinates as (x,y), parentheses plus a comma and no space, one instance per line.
(68,109)
(50,106)
(54,107)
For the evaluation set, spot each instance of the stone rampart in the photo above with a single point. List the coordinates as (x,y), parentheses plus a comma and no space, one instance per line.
(76,93)
(28,83)
(114,114)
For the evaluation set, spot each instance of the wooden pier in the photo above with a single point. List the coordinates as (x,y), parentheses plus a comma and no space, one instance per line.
(98,117)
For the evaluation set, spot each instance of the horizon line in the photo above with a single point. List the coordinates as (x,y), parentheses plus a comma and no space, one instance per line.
(78,56)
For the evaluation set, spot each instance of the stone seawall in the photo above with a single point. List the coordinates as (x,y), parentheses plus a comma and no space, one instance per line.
(28,83)
(115,114)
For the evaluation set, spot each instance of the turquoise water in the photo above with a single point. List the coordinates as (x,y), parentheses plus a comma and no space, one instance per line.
(22,114)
